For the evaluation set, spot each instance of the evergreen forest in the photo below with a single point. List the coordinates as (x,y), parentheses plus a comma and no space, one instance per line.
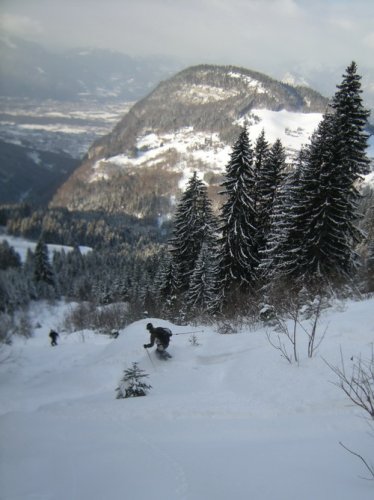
(285,236)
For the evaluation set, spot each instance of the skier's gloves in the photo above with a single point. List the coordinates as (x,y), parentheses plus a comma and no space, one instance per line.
(145,346)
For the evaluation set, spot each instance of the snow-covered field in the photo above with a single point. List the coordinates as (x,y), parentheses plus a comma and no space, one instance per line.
(225,419)
(21,246)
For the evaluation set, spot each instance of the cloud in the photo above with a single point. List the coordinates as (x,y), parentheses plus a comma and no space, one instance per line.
(369,41)
(262,34)
(19,25)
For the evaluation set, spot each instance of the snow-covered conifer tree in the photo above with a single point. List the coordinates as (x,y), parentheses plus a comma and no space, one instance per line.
(239,244)
(318,245)
(286,225)
(202,294)
(269,182)
(8,256)
(132,384)
(43,273)
(193,224)
(351,120)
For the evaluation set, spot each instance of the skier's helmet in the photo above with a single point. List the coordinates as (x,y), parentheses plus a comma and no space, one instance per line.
(149,326)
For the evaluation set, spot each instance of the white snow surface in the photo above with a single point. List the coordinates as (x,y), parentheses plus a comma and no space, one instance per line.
(192,150)
(21,246)
(293,129)
(205,152)
(226,419)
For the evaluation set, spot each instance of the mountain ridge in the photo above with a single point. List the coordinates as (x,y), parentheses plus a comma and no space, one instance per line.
(285,97)
(27,69)
(202,109)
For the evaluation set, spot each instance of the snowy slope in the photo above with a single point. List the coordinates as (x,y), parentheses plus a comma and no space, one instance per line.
(228,418)
(294,130)
(205,152)
(21,245)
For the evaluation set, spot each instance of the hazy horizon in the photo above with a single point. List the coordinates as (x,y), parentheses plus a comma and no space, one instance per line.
(313,40)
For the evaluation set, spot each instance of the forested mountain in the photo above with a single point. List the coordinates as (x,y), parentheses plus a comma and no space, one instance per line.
(51,104)
(284,236)
(187,123)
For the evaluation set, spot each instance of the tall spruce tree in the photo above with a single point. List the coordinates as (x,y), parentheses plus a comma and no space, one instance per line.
(337,159)
(238,252)
(351,120)
(269,182)
(318,246)
(286,226)
(194,223)
(43,272)
(202,295)
(260,157)
(326,244)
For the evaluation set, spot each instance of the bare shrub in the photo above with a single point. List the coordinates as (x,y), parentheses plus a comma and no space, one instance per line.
(79,317)
(226,327)
(289,319)
(15,324)
(193,340)
(24,325)
(357,383)
(110,318)
(105,319)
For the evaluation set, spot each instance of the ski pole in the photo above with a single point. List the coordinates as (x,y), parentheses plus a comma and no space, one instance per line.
(187,333)
(150,359)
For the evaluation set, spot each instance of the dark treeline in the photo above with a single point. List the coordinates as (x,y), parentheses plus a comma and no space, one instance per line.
(93,229)
(120,274)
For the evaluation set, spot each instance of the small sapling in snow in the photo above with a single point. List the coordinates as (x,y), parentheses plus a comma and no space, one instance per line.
(131,384)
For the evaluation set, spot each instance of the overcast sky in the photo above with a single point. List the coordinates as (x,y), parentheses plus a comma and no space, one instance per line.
(266,35)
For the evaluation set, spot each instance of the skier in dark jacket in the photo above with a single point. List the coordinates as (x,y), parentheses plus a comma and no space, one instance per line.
(160,336)
(53,336)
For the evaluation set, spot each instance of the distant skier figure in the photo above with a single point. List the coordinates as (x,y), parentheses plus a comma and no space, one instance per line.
(53,336)
(162,338)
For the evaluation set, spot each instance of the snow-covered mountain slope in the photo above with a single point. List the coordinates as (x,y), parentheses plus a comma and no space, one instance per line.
(227,418)
(206,152)
(188,123)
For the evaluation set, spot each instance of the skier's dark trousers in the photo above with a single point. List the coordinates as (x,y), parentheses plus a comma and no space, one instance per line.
(160,336)
(53,336)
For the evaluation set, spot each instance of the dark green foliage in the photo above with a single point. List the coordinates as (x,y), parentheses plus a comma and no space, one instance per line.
(202,294)
(8,256)
(314,233)
(194,224)
(16,289)
(239,246)
(95,229)
(270,178)
(132,385)
(43,272)
(351,120)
